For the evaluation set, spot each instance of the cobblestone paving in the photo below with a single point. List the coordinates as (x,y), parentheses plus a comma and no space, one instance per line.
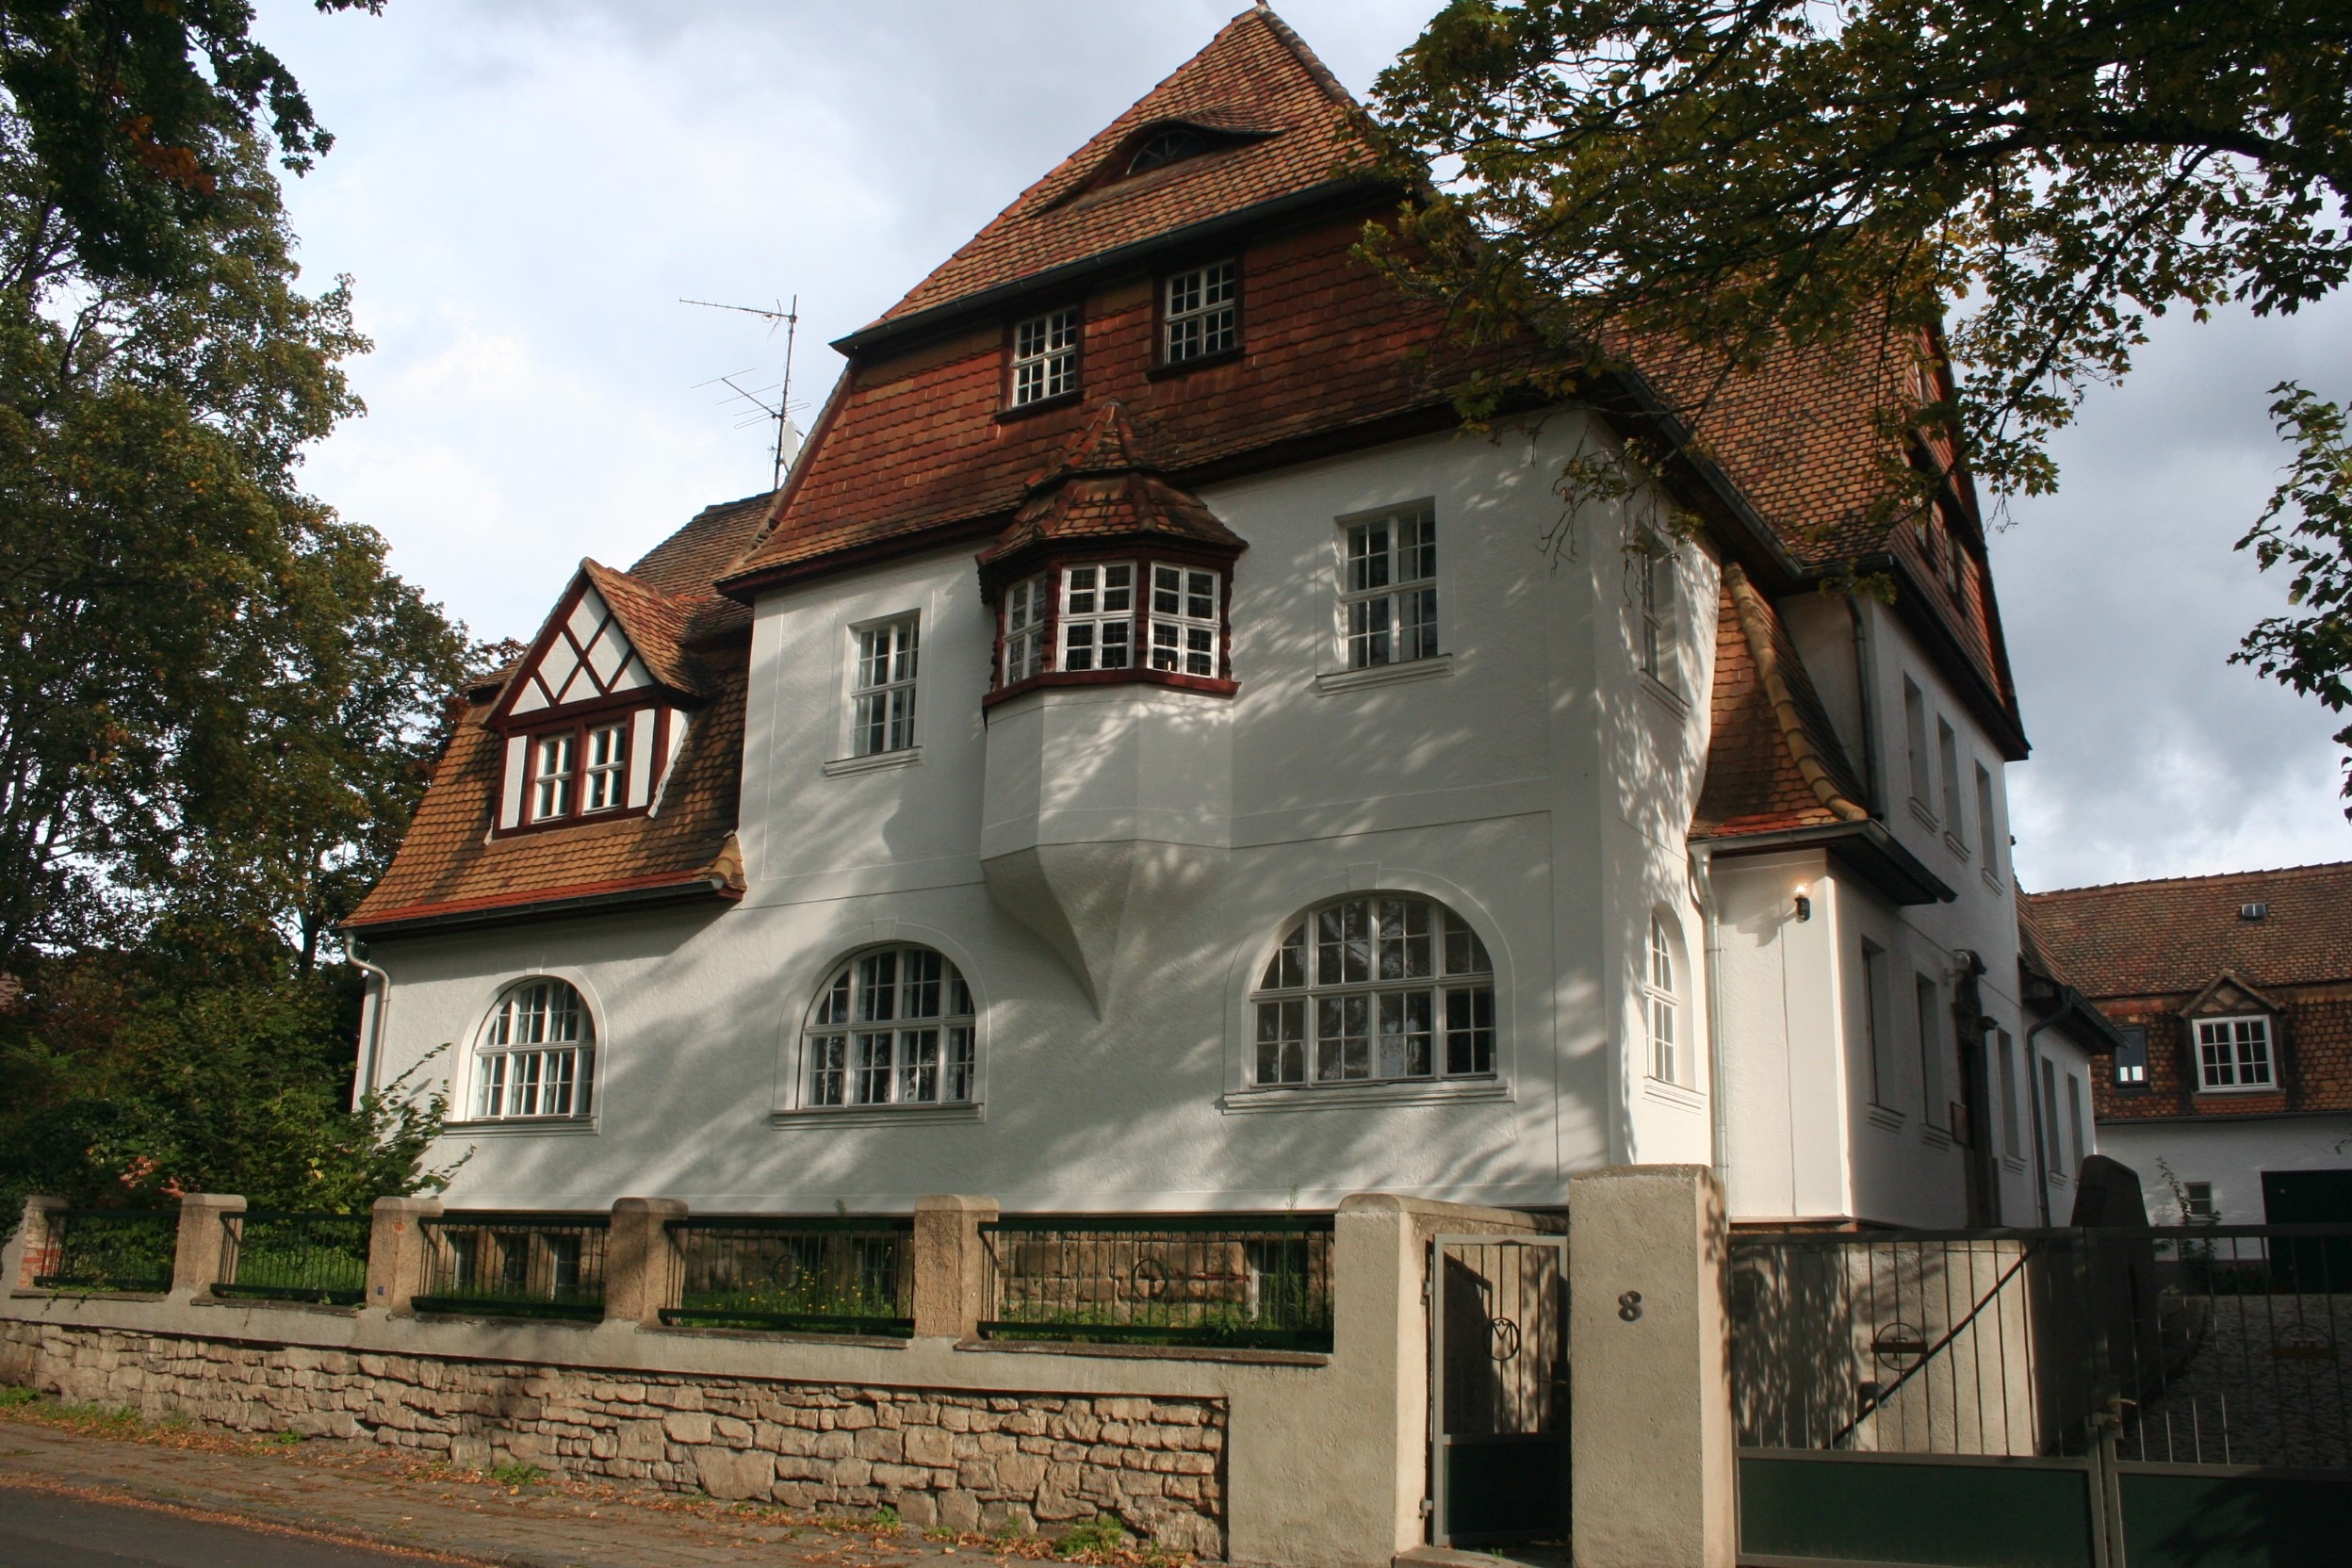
(353,1491)
(2266,1379)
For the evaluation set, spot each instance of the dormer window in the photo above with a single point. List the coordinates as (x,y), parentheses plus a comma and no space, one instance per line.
(1173,145)
(2233,1055)
(1200,314)
(1045,357)
(579,771)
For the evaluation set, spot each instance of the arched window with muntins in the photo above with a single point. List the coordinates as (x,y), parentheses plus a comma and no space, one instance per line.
(1375,986)
(892,1026)
(538,1054)
(1661,1002)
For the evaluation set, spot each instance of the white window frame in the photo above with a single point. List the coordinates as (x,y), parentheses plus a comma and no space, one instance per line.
(885,666)
(1097,616)
(1182,637)
(1335,1002)
(1948,759)
(604,770)
(1376,602)
(1662,1004)
(1928,997)
(536,1055)
(892,1025)
(1200,312)
(2240,1030)
(1026,618)
(1659,649)
(1045,357)
(1915,746)
(554,774)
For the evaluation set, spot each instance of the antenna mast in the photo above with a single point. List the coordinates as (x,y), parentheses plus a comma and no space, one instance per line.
(781,412)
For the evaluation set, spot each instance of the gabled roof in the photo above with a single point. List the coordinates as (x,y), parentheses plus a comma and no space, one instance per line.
(1284,115)
(1772,763)
(2176,936)
(1106,489)
(609,635)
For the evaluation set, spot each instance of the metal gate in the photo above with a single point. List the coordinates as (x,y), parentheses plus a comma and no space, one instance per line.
(2062,1398)
(1498,1389)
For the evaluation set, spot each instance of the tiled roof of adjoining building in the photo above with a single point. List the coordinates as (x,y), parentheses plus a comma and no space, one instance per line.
(1772,763)
(2173,937)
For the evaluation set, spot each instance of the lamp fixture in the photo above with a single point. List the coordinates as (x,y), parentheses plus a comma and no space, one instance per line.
(1804,901)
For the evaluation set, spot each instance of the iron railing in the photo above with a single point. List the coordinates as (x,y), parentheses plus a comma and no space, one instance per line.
(1260,1282)
(828,1275)
(109,1249)
(317,1258)
(513,1265)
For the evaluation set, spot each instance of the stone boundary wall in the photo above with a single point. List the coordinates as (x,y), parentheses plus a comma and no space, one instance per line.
(966,1460)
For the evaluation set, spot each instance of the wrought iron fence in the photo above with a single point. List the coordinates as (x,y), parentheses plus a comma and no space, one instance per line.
(835,1275)
(513,1265)
(2230,1342)
(1229,1280)
(319,1258)
(109,1249)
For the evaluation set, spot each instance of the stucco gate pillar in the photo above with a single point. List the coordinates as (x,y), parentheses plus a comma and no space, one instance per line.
(1650,1369)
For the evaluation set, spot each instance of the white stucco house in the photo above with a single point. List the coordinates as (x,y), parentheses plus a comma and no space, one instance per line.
(1149,756)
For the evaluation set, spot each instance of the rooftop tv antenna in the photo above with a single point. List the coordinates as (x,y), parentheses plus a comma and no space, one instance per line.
(787,434)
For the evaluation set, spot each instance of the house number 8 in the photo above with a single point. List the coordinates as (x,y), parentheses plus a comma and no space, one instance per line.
(1629,1305)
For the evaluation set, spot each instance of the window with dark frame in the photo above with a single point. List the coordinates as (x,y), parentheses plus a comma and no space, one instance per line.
(1162,148)
(579,771)
(1045,357)
(2132,1060)
(1200,313)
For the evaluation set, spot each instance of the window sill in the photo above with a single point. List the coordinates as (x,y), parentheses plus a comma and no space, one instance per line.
(1992,881)
(1926,817)
(1056,679)
(1935,1138)
(1665,695)
(1951,842)
(1166,369)
(1677,1095)
(1882,1116)
(877,1115)
(2231,1091)
(1043,405)
(1340,1097)
(1384,675)
(514,1126)
(906,757)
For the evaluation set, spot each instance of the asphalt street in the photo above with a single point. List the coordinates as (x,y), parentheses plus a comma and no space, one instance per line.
(41,1529)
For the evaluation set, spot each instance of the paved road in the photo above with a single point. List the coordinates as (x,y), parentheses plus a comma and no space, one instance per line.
(41,1529)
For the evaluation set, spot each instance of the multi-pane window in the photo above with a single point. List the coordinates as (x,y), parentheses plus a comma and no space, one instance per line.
(1045,357)
(882,697)
(2197,1203)
(1199,318)
(1932,1105)
(2234,1054)
(554,763)
(1655,566)
(1184,620)
(1914,744)
(537,1056)
(2131,1059)
(1377,987)
(1660,999)
(604,785)
(1388,588)
(1098,617)
(1024,629)
(892,1027)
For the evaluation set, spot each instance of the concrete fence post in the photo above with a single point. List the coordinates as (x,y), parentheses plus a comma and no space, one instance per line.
(641,1261)
(396,1249)
(951,1274)
(1650,1370)
(21,1257)
(196,1254)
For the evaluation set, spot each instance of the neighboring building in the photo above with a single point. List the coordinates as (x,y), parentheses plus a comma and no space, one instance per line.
(2231,1095)
(1150,756)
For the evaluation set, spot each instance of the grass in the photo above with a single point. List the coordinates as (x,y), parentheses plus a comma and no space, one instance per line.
(11,1397)
(1101,1534)
(515,1475)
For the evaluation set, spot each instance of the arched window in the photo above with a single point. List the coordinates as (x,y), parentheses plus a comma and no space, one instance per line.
(893,1026)
(1660,1003)
(1173,145)
(538,1054)
(1378,986)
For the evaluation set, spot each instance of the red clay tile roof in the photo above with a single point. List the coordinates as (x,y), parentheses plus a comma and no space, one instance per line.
(1104,488)
(2175,936)
(655,621)
(686,563)
(1256,80)
(1772,763)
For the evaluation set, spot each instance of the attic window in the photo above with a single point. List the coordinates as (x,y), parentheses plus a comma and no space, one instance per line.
(1173,145)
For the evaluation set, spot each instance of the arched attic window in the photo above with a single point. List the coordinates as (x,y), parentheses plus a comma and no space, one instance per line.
(1376,986)
(1169,145)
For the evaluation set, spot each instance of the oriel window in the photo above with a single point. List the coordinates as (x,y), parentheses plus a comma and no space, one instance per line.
(1098,617)
(1184,620)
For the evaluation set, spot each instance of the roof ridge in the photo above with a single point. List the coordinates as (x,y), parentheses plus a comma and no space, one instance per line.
(1322,74)
(2216,877)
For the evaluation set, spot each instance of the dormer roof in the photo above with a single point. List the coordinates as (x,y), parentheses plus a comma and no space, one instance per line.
(610,636)
(1257,85)
(1106,489)
(1773,763)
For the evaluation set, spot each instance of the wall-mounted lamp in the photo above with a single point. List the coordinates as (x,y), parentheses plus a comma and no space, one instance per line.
(1804,901)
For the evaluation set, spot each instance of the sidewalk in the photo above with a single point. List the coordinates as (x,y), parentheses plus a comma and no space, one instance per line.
(357,1492)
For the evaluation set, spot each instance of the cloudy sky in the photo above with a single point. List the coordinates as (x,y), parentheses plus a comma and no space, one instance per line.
(523,190)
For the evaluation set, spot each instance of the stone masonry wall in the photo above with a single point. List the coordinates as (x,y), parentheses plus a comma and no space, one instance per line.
(967,1461)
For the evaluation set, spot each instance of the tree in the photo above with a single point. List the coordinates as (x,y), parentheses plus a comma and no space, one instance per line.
(1746,176)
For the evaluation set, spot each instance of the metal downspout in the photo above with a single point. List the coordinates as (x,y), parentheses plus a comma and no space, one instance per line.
(373,1051)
